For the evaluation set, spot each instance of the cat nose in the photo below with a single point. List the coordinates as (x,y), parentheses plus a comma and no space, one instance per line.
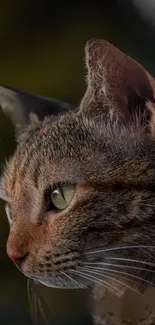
(16,254)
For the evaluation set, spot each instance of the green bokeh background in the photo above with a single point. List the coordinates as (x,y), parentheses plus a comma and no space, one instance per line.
(42,51)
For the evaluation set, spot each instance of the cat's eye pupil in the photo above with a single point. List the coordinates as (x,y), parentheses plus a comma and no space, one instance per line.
(61,196)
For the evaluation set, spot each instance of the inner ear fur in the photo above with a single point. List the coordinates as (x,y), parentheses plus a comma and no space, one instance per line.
(116,84)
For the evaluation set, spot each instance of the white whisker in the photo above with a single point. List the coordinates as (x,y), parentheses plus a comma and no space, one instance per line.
(42,312)
(130,260)
(123,277)
(147,252)
(95,280)
(146,205)
(30,292)
(109,277)
(126,285)
(35,314)
(128,274)
(72,280)
(118,265)
(117,248)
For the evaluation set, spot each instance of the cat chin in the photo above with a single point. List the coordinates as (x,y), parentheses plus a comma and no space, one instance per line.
(52,283)
(56,286)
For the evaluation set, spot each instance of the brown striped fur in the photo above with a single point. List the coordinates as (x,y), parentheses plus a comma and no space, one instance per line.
(107,149)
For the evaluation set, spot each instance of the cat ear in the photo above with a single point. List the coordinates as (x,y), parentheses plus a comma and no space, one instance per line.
(23,107)
(115,82)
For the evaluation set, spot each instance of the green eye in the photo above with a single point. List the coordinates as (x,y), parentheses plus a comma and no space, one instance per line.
(62,196)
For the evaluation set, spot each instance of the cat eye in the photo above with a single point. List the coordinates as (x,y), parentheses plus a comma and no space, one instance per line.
(8,211)
(61,196)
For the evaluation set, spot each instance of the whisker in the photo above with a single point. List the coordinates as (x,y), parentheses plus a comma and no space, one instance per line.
(29,294)
(147,252)
(117,248)
(109,277)
(125,285)
(146,205)
(100,282)
(42,312)
(119,265)
(33,302)
(124,278)
(128,274)
(130,260)
(72,280)
(35,313)
(145,202)
(48,304)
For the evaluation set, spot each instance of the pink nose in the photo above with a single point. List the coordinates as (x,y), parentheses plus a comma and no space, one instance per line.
(16,257)
(17,253)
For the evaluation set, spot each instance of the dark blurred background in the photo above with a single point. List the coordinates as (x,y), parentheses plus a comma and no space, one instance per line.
(42,51)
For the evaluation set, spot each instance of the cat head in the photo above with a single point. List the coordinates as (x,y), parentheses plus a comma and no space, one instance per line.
(80,185)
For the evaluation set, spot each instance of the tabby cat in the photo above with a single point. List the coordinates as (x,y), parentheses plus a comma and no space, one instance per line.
(80,187)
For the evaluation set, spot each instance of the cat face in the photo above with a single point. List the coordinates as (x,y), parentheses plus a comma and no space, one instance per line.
(80,186)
